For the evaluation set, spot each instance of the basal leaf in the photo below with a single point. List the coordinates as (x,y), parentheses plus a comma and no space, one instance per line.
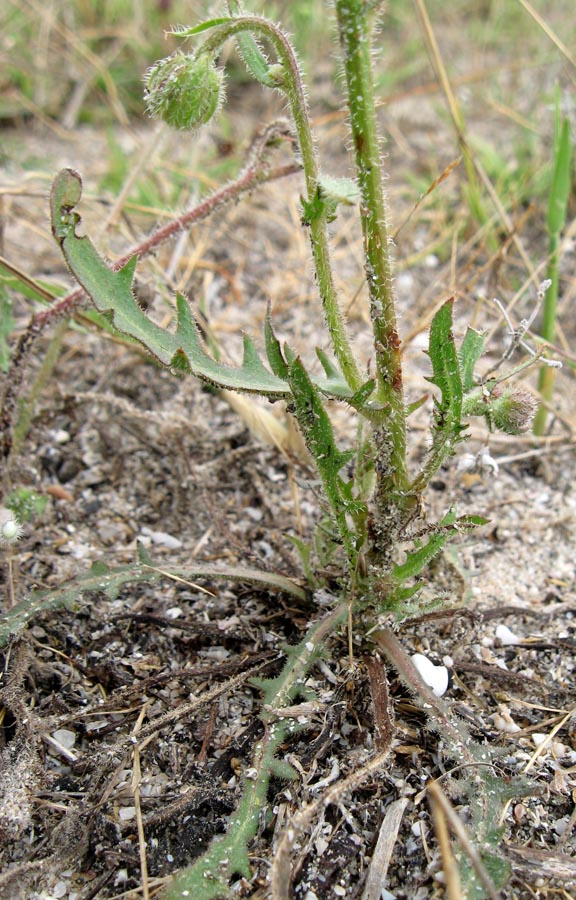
(111,580)
(183,349)
(315,425)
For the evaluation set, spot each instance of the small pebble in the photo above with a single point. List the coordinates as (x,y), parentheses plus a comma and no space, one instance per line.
(65,738)
(436,677)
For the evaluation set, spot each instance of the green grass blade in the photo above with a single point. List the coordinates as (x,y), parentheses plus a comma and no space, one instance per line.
(560,190)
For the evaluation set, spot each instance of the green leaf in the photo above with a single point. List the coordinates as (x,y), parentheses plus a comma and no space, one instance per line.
(186,32)
(471,349)
(111,293)
(112,580)
(274,353)
(339,190)
(254,59)
(417,559)
(315,425)
(445,368)
(181,350)
(447,528)
(446,429)
(330,193)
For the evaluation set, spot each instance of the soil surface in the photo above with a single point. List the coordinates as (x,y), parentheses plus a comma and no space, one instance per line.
(135,710)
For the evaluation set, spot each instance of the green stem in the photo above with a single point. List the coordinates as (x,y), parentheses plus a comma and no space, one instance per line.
(547,374)
(354,28)
(290,81)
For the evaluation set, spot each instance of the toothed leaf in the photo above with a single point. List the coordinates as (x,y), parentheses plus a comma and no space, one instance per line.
(111,293)
(274,353)
(111,580)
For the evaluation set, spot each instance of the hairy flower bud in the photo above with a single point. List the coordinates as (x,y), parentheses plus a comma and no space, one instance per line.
(184,91)
(513,409)
(10,528)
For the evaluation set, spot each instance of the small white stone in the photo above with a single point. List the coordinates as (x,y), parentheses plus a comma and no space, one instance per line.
(174,612)
(60,436)
(162,538)
(436,677)
(65,738)
(126,813)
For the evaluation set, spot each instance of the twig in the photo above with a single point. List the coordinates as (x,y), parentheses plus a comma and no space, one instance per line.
(449,865)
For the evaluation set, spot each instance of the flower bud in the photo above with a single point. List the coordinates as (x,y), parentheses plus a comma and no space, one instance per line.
(10,528)
(184,91)
(512,409)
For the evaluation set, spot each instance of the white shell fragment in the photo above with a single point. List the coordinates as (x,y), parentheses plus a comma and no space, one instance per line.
(436,677)
(506,637)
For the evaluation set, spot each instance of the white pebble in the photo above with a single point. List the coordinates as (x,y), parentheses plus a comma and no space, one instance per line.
(162,538)
(436,677)
(126,813)
(65,738)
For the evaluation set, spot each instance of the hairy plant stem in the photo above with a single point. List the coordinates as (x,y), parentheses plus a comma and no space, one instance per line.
(208,877)
(290,82)
(355,39)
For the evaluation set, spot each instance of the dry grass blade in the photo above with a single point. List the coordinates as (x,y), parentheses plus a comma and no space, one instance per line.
(136,781)
(549,32)
(266,427)
(384,848)
(96,63)
(473,165)
(444,807)
(449,864)
(281,865)
(437,181)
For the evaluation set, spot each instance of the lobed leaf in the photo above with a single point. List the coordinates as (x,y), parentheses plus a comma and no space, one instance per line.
(181,350)
(111,580)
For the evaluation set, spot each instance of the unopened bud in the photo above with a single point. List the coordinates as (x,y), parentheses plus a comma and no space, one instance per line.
(184,91)
(513,409)
(10,528)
